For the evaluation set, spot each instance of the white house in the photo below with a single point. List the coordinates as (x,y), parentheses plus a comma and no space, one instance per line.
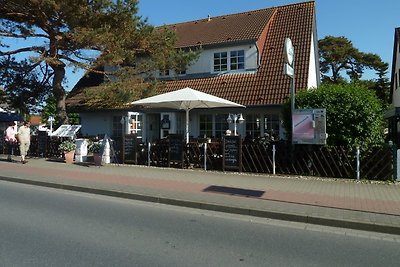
(242,60)
(393,114)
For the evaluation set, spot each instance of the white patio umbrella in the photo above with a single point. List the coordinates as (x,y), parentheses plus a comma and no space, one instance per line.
(185,99)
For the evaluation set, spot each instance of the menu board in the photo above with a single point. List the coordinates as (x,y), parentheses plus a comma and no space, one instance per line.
(232,151)
(129,148)
(175,147)
(42,143)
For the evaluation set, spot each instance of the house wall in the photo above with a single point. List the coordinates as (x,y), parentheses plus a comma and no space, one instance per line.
(396,87)
(313,71)
(96,123)
(205,62)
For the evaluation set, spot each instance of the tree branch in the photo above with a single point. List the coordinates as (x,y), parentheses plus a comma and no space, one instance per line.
(25,49)
(14,35)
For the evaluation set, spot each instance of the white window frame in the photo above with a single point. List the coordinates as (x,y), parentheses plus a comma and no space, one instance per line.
(231,60)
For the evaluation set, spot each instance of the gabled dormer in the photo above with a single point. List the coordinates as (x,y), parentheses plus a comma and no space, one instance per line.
(230,44)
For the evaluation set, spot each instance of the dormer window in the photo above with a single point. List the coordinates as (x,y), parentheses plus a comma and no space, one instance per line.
(234,62)
(237,60)
(164,73)
(220,61)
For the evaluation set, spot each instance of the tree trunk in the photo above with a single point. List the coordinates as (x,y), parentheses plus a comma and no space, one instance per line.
(59,93)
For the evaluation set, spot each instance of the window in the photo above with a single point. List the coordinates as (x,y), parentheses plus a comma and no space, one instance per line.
(135,124)
(164,72)
(237,60)
(234,62)
(205,126)
(117,127)
(220,61)
(271,126)
(221,125)
(253,127)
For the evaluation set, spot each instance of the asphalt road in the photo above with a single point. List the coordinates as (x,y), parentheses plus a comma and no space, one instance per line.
(50,227)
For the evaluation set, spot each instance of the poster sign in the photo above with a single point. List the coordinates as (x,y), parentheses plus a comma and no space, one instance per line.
(309,126)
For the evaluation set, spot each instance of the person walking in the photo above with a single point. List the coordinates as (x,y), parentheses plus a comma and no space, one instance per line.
(11,140)
(24,138)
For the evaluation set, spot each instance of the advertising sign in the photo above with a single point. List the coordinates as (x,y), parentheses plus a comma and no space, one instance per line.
(309,126)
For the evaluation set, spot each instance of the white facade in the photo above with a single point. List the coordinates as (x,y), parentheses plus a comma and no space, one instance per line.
(396,77)
(204,64)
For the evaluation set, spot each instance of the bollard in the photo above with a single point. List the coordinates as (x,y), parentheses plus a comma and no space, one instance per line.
(205,156)
(358,163)
(273,159)
(106,154)
(148,154)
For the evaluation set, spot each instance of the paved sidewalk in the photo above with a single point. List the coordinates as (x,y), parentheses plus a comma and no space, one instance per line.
(332,202)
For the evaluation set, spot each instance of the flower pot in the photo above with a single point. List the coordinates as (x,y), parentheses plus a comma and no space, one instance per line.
(69,157)
(97,159)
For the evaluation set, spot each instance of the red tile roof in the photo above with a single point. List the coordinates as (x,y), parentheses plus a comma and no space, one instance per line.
(269,27)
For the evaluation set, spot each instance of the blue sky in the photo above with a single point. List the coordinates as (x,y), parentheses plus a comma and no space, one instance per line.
(369,24)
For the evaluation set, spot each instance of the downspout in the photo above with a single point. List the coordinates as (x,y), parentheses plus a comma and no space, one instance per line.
(258,55)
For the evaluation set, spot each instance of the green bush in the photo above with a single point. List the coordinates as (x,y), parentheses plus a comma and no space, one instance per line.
(354,114)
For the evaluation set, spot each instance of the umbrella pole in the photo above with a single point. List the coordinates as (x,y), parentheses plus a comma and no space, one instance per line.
(187,126)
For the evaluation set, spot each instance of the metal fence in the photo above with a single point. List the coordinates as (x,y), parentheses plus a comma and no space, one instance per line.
(272,158)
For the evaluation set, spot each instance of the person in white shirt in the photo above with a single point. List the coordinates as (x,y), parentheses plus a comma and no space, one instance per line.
(11,140)
(24,138)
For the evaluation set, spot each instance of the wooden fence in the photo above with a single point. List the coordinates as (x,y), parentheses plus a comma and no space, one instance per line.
(287,159)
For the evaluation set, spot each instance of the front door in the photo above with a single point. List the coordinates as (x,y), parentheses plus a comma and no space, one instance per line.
(153,126)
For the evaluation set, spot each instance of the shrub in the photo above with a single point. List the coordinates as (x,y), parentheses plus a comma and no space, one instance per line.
(354,114)
(95,147)
(67,146)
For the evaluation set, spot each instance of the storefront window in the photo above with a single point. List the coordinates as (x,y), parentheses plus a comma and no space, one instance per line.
(271,126)
(205,126)
(221,125)
(253,126)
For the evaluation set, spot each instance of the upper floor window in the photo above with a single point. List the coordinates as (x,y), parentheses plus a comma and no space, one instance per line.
(237,60)
(220,61)
(182,72)
(223,62)
(164,72)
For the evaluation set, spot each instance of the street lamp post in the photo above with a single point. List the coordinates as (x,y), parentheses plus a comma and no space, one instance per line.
(51,120)
(235,118)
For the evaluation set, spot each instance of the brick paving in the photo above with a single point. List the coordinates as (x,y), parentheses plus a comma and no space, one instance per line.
(334,202)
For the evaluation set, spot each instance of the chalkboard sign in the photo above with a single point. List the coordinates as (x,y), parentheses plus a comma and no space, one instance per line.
(129,148)
(42,144)
(232,151)
(175,148)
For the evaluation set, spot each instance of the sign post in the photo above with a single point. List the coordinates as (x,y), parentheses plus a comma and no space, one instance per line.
(289,67)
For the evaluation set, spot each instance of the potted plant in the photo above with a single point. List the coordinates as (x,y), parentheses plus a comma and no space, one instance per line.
(96,149)
(68,148)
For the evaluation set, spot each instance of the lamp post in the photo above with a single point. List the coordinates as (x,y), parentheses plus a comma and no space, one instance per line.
(51,120)
(235,118)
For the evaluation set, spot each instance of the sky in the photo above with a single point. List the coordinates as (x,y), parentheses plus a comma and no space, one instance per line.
(369,24)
